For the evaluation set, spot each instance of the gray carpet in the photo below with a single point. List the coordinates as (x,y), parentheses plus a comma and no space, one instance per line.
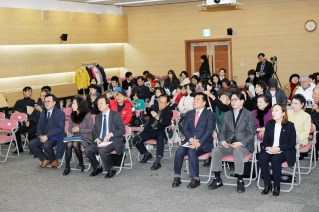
(26,188)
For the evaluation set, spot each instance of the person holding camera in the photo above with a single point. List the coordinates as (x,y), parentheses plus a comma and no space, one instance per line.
(264,69)
(160,118)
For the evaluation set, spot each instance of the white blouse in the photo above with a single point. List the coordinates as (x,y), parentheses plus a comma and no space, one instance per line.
(277,134)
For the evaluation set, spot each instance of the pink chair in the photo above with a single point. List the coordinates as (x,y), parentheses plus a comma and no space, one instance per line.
(174,128)
(140,128)
(93,118)
(128,134)
(250,157)
(19,117)
(67,111)
(2,116)
(285,164)
(12,126)
(310,147)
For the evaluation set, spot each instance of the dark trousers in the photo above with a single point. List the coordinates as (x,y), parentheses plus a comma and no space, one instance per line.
(276,161)
(148,134)
(31,130)
(105,153)
(36,147)
(192,157)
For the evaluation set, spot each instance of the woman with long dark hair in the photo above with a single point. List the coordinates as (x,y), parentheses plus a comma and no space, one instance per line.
(80,124)
(216,82)
(171,82)
(262,115)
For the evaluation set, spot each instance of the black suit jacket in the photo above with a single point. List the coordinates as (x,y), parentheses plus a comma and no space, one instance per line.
(287,140)
(268,70)
(164,119)
(126,84)
(204,129)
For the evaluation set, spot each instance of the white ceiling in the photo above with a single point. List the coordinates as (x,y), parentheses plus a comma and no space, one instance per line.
(129,3)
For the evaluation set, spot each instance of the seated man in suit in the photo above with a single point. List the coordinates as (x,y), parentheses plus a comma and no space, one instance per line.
(155,129)
(108,127)
(50,132)
(199,125)
(30,126)
(21,104)
(236,137)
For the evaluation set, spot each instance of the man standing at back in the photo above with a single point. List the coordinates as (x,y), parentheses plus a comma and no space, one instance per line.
(264,69)
(199,125)
(50,132)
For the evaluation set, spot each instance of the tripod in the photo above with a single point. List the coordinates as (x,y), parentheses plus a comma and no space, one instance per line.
(274,75)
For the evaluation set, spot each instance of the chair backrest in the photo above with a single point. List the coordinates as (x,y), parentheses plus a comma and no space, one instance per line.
(312,128)
(93,118)
(175,115)
(128,131)
(138,113)
(67,111)
(2,116)
(19,117)
(8,124)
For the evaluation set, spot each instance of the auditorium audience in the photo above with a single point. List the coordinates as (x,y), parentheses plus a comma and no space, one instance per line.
(155,129)
(143,90)
(300,118)
(50,132)
(183,78)
(80,125)
(236,137)
(91,99)
(278,147)
(199,125)
(122,105)
(171,82)
(291,87)
(262,115)
(276,94)
(21,104)
(108,134)
(30,126)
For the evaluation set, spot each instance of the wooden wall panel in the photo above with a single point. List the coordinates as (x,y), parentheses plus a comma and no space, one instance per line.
(275,27)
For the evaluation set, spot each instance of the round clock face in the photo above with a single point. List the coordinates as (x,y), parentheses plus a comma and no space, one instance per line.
(310,26)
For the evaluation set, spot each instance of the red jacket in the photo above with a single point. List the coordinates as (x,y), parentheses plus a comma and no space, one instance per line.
(126,112)
(179,97)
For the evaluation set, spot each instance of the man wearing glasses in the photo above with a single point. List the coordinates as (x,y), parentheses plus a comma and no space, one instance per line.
(50,132)
(236,137)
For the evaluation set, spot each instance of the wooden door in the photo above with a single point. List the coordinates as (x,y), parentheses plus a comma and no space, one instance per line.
(221,59)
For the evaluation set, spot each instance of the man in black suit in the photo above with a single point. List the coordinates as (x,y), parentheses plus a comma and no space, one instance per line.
(155,129)
(108,134)
(50,132)
(199,125)
(128,82)
(264,69)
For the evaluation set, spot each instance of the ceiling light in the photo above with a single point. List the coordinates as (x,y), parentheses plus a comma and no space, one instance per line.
(137,2)
(96,1)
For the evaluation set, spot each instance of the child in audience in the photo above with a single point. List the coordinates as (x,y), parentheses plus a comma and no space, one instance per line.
(138,104)
(157,93)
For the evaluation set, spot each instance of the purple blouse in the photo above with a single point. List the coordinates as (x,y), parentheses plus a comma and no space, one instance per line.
(86,127)
(266,118)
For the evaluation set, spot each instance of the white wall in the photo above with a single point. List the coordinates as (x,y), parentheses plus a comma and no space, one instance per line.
(61,6)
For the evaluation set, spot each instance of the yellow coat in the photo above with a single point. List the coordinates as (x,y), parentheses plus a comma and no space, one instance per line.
(302,124)
(81,78)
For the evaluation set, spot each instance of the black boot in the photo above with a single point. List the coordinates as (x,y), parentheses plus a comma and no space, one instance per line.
(66,171)
(267,189)
(276,191)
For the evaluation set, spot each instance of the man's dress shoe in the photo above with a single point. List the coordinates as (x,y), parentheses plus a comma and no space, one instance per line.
(176,182)
(55,164)
(16,151)
(194,183)
(276,191)
(44,164)
(156,166)
(145,159)
(110,173)
(96,172)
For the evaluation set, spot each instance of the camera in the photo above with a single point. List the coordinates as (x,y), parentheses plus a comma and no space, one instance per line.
(273,59)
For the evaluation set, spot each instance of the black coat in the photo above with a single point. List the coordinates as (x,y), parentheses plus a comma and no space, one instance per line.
(143,90)
(268,70)
(287,140)
(164,119)
(204,71)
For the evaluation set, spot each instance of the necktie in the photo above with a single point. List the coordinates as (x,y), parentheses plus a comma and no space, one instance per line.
(49,116)
(196,118)
(104,128)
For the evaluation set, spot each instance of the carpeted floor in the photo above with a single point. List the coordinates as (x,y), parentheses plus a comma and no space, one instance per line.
(26,188)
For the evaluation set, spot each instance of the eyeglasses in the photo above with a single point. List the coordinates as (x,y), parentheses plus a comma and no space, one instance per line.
(234,100)
(295,103)
(47,101)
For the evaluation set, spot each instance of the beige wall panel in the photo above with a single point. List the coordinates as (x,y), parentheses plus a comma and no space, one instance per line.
(275,27)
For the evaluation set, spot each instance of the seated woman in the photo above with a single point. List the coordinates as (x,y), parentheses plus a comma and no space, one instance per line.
(262,115)
(157,93)
(251,80)
(197,83)
(150,81)
(278,147)
(291,87)
(186,102)
(170,83)
(300,118)
(260,88)
(94,81)
(91,99)
(183,78)
(80,124)
(216,82)
(226,86)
